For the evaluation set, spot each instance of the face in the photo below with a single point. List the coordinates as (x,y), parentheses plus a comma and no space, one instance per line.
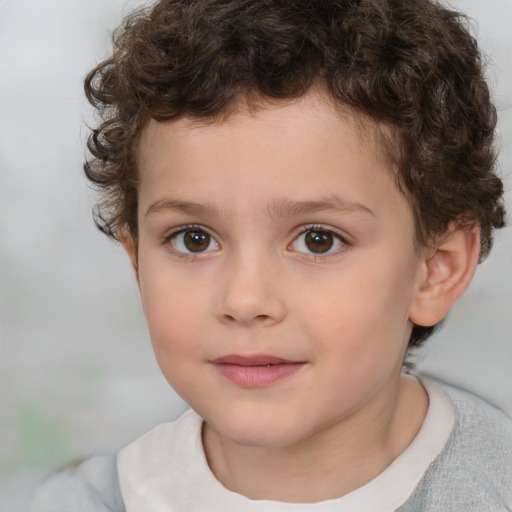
(277,269)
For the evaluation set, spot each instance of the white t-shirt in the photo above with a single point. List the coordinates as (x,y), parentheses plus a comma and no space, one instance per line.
(166,470)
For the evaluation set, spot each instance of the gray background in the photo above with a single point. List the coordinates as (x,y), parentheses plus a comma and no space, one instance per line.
(77,375)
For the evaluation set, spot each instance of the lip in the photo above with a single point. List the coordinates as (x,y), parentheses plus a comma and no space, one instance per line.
(255,371)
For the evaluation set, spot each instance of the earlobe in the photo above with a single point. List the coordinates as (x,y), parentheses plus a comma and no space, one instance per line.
(446,274)
(130,246)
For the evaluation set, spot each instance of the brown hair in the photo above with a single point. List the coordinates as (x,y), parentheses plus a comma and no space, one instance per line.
(409,65)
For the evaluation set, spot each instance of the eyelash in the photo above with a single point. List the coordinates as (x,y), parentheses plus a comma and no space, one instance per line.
(170,237)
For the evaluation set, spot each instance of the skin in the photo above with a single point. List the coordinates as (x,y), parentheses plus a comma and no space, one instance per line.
(254,183)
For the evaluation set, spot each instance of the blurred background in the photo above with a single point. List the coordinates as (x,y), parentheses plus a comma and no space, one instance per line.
(77,374)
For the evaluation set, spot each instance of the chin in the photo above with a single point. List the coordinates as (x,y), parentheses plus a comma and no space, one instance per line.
(261,439)
(260,432)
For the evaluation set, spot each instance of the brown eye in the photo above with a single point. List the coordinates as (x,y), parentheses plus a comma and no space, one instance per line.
(193,241)
(196,241)
(319,241)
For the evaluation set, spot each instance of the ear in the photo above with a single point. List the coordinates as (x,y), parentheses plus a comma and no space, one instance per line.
(130,246)
(445,274)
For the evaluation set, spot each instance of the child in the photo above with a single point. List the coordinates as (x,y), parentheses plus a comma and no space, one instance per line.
(304,190)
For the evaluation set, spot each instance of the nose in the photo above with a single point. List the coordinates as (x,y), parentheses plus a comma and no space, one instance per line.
(251,295)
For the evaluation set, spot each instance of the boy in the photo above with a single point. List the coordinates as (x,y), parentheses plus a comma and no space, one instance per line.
(304,190)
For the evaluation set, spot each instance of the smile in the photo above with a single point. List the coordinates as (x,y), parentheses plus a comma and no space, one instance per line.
(255,372)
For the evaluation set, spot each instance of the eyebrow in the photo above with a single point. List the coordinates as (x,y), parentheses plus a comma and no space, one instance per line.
(280,208)
(187,207)
(335,203)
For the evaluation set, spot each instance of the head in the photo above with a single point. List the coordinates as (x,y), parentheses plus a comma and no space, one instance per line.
(407,72)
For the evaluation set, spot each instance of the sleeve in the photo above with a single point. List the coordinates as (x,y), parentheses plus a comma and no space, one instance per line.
(91,486)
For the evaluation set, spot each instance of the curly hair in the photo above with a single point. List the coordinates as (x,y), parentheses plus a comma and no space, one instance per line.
(409,65)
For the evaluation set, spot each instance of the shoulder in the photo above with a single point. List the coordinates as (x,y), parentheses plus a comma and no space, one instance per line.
(474,470)
(482,432)
(91,486)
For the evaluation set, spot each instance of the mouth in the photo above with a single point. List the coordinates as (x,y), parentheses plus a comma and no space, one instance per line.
(255,371)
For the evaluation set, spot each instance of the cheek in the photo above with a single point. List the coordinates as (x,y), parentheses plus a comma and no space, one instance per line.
(174,322)
(361,316)
(174,313)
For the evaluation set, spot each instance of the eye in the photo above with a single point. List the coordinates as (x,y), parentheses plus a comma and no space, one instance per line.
(318,241)
(193,240)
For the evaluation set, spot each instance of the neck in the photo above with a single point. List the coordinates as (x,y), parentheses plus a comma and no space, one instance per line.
(332,462)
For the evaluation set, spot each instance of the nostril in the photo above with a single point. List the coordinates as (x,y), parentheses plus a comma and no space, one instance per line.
(255,319)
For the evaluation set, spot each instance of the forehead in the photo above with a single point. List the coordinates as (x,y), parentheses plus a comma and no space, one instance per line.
(302,148)
(319,110)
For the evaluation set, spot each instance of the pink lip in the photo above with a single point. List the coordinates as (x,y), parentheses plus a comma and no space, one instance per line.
(256,371)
